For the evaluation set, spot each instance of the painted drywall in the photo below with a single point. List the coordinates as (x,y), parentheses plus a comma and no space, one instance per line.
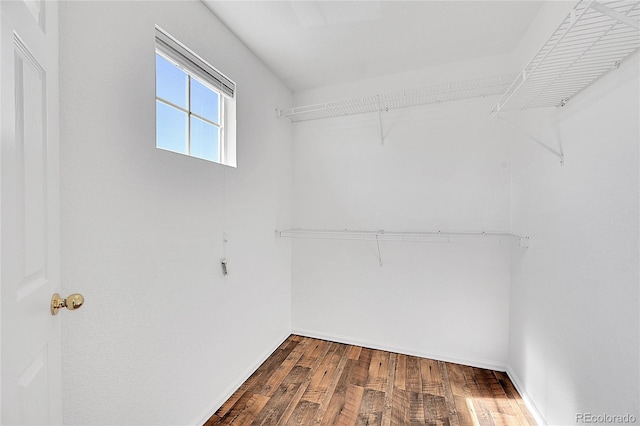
(441,167)
(163,336)
(574,324)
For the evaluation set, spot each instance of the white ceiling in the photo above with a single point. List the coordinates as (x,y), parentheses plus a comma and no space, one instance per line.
(316,43)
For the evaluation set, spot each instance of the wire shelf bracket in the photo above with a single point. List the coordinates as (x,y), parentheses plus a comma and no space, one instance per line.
(379,252)
(380,119)
(558,153)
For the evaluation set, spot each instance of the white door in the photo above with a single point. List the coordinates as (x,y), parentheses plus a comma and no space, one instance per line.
(29,206)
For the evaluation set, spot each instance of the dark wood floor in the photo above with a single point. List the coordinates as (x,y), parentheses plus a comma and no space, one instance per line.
(314,382)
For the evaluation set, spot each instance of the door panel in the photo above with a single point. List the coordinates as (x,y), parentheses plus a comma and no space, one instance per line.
(29,206)
(30,88)
(33,391)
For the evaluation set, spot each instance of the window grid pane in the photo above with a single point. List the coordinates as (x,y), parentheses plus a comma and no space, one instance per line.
(205,140)
(171,82)
(203,133)
(204,101)
(192,127)
(171,128)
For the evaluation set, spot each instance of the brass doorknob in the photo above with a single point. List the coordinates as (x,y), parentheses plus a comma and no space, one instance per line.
(72,302)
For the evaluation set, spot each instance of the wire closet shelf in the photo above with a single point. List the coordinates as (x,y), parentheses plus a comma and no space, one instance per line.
(595,37)
(401,99)
(382,235)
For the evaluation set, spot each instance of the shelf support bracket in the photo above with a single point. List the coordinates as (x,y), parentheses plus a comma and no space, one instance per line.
(380,118)
(379,252)
(615,14)
(558,154)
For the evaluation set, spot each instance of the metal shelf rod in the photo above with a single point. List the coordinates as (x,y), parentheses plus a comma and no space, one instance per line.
(396,236)
(381,234)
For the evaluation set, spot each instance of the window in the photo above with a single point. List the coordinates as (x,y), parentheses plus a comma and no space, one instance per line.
(195,104)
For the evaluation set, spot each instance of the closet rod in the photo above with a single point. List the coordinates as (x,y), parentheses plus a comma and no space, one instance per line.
(382,235)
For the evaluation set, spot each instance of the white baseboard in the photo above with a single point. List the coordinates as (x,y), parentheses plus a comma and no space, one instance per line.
(211,409)
(526,398)
(480,363)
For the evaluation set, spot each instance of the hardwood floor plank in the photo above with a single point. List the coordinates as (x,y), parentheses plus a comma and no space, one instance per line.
(361,370)
(273,410)
(503,414)
(449,399)
(297,375)
(481,398)
(264,372)
(400,412)
(315,382)
(413,384)
(315,350)
(401,372)
(303,414)
(413,378)
(435,410)
(388,398)
(378,371)
(466,411)
(416,408)
(353,399)
(371,408)
(324,404)
(472,398)
(435,407)
(459,385)
(278,374)
(280,399)
(213,420)
(312,351)
(345,403)
(354,353)
(522,413)
(247,407)
(323,377)
(338,399)
(233,399)
(431,377)
(261,371)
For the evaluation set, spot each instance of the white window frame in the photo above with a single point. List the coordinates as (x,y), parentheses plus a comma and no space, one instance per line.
(195,67)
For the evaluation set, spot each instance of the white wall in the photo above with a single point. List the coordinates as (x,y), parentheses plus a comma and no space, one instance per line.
(574,317)
(163,337)
(442,167)
(574,324)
